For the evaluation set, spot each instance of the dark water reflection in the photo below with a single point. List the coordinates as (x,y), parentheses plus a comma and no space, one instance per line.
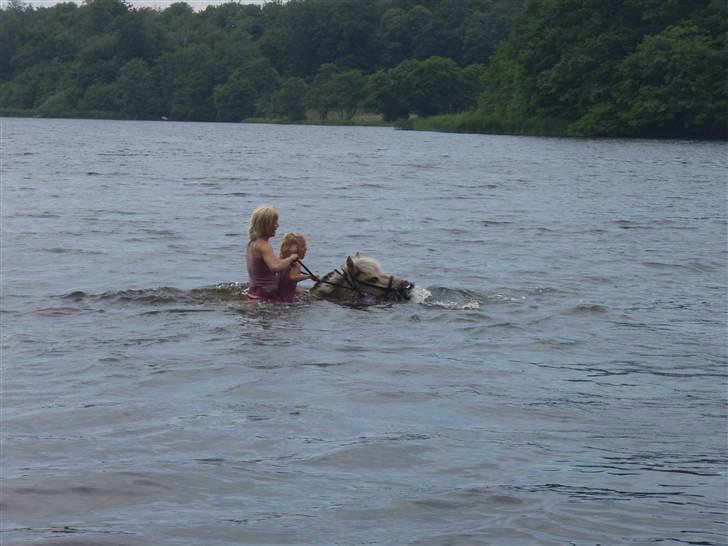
(560,379)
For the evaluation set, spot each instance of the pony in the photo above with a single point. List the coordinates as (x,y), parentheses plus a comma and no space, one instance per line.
(361,278)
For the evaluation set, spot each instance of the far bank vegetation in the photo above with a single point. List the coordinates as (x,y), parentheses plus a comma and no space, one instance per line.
(655,68)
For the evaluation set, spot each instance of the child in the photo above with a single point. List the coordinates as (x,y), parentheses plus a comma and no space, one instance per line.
(292,244)
(262,263)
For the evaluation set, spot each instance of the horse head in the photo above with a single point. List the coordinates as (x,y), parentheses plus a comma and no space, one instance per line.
(361,277)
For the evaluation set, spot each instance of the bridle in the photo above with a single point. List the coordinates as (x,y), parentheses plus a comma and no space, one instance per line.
(353,283)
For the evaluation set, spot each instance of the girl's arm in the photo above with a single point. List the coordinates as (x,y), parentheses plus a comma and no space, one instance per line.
(273,262)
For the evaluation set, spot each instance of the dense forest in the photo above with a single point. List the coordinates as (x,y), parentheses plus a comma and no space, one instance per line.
(580,67)
(614,67)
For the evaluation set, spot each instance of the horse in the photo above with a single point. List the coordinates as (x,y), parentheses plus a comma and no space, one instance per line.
(361,279)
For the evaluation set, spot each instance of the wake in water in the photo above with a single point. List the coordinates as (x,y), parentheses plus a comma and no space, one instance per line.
(221,293)
(234,293)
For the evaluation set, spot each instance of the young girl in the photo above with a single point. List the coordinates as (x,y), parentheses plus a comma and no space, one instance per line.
(262,263)
(293,244)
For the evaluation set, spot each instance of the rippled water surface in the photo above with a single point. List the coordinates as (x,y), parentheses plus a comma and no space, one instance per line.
(560,380)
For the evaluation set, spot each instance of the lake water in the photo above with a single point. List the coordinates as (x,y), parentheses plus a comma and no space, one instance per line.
(560,379)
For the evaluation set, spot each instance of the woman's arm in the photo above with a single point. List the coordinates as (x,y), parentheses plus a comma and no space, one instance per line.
(273,262)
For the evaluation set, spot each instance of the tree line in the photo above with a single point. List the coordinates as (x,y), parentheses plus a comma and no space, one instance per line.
(581,67)
(234,61)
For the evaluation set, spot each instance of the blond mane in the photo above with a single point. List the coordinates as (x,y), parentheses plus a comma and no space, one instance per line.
(366,265)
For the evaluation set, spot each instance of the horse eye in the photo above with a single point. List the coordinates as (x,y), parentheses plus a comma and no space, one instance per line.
(374,279)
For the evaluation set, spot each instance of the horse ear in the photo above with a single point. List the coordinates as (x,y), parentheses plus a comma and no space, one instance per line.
(357,254)
(349,263)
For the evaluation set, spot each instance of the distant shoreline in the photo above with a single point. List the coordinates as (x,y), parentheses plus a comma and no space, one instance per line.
(464,123)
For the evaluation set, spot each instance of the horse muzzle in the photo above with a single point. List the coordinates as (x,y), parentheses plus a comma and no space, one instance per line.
(404,289)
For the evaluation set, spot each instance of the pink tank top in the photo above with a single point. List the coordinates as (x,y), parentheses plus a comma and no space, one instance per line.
(262,282)
(286,288)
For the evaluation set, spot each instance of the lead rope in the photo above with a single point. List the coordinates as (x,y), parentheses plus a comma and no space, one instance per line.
(350,287)
(306,269)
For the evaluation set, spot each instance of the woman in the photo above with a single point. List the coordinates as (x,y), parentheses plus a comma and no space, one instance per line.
(263,264)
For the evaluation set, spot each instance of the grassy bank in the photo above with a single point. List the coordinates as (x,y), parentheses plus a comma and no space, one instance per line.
(368,120)
(71,114)
(467,122)
(365,119)
(472,122)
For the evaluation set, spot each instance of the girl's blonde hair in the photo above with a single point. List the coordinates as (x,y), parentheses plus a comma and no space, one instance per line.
(289,240)
(262,222)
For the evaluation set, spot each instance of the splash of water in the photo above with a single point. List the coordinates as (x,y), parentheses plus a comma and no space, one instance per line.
(424,296)
(420,295)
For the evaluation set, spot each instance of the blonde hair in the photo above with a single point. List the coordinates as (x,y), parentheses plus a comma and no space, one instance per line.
(290,239)
(262,222)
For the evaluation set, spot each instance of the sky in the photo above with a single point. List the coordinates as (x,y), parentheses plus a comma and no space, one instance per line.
(196,4)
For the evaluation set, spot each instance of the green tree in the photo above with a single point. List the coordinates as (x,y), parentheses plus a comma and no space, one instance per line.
(430,87)
(101,16)
(136,90)
(237,98)
(393,36)
(289,102)
(134,39)
(320,96)
(471,78)
(234,51)
(348,89)
(336,91)
(216,63)
(192,97)
(17,94)
(423,33)
(387,94)
(182,26)
(33,87)
(98,60)
(14,22)
(185,80)
(234,17)
(101,97)
(609,67)
(276,36)
(62,101)
(506,95)
(675,83)
(482,33)
(352,43)
(262,76)
(408,34)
